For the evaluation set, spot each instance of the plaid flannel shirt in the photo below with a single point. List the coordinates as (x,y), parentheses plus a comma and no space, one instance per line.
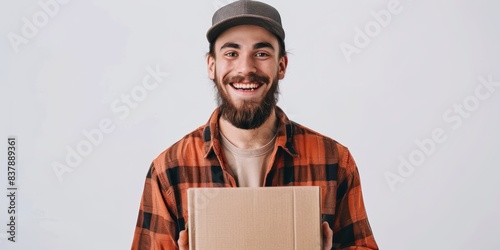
(301,157)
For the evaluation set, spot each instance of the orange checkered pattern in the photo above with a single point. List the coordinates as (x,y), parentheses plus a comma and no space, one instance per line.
(301,157)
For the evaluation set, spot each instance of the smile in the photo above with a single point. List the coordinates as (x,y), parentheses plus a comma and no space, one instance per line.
(246,86)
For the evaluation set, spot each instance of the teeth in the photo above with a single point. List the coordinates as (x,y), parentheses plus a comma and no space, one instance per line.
(246,85)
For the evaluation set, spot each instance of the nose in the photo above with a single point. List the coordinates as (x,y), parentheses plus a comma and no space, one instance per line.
(246,65)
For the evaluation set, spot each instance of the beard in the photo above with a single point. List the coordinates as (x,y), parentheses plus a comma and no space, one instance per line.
(252,113)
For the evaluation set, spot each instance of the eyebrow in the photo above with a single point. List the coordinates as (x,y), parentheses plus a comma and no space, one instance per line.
(263,45)
(230,45)
(256,46)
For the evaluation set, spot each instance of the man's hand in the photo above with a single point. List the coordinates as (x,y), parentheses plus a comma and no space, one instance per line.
(183,241)
(327,236)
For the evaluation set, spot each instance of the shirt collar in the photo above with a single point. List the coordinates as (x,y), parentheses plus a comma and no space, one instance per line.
(284,136)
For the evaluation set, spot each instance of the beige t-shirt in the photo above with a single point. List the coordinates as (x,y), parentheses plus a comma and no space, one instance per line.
(248,166)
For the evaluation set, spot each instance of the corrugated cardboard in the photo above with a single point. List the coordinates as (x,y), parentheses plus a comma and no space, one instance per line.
(268,218)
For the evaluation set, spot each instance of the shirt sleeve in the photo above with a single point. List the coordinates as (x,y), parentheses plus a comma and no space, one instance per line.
(351,229)
(155,227)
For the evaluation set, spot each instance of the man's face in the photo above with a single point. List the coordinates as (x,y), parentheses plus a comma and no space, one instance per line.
(246,70)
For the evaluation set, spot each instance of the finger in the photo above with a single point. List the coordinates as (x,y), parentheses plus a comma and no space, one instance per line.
(183,241)
(327,236)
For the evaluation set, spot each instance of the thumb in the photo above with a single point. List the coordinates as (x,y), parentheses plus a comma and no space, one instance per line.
(327,236)
(183,241)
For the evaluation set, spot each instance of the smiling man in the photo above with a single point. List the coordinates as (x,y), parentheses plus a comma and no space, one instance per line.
(249,141)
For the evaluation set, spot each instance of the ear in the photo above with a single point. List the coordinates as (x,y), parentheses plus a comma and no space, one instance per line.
(211,67)
(283,63)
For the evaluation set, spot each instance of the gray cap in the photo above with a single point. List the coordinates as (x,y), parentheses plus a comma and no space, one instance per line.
(246,12)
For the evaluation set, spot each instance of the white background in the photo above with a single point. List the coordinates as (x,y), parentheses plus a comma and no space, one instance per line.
(424,61)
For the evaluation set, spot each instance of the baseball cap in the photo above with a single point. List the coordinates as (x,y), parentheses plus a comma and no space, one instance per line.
(246,12)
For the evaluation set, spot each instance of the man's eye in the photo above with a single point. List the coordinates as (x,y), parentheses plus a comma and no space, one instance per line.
(231,54)
(261,54)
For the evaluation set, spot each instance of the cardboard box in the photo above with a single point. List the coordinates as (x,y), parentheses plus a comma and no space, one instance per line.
(268,218)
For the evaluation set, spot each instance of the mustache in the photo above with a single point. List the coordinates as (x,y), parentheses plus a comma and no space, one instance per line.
(251,77)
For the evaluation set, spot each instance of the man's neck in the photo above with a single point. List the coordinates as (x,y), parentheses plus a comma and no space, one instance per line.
(249,138)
